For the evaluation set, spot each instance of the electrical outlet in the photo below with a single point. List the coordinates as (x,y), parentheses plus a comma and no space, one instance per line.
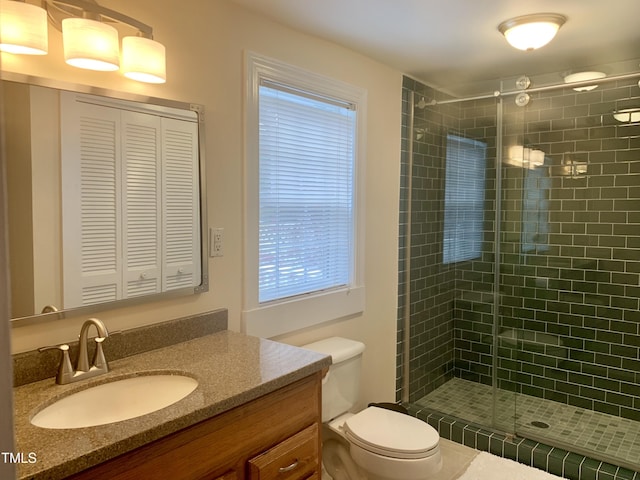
(216,242)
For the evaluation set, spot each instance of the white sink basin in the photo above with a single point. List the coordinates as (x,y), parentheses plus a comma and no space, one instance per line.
(115,401)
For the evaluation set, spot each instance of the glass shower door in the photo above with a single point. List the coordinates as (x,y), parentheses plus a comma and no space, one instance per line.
(570,269)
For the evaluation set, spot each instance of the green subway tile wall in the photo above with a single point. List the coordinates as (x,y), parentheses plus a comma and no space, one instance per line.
(432,283)
(569,285)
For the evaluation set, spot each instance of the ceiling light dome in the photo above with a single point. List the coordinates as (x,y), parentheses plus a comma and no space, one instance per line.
(530,32)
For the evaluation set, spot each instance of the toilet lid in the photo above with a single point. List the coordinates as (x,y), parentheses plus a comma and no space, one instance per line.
(391,434)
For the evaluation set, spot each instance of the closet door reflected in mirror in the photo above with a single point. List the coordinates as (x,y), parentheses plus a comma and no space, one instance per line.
(105,200)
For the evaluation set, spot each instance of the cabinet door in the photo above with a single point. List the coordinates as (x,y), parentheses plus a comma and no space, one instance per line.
(91,202)
(131,202)
(181,208)
(141,204)
(293,459)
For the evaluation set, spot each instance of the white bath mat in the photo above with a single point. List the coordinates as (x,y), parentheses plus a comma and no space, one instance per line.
(490,467)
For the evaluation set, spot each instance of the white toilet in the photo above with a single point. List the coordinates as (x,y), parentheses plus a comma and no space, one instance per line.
(376,443)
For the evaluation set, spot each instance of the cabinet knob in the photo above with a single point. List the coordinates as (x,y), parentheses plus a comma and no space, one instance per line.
(143,276)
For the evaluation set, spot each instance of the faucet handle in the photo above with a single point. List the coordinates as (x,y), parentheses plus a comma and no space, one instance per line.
(99,359)
(65,369)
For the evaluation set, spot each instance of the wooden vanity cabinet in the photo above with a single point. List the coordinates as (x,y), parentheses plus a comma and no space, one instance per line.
(275,437)
(292,459)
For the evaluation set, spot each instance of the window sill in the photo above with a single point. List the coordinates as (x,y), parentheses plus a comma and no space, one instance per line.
(284,317)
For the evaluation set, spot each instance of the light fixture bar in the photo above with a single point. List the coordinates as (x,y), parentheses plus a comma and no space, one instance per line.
(142,58)
(86,6)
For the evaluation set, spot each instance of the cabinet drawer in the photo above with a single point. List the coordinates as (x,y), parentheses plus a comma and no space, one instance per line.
(292,459)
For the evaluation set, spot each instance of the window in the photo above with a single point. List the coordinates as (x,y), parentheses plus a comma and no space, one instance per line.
(463,199)
(303,237)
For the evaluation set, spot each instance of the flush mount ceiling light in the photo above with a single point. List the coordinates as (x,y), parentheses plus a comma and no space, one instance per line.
(580,77)
(89,36)
(530,32)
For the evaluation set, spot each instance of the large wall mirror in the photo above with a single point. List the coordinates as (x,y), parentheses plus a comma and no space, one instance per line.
(106,198)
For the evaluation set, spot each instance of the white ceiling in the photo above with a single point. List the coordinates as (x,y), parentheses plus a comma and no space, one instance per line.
(452,43)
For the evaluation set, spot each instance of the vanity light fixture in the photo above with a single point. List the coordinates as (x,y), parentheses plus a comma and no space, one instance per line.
(584,77)
(90,37)
(90,44)
(530,32)
(23,28)
(143,60)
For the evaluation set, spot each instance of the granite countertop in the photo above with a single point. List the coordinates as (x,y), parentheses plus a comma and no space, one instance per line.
(231,369)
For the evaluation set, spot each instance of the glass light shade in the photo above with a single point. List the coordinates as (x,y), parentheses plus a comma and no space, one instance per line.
(90,44)
(143,60)
(531,31)
(23,28)
(583,77)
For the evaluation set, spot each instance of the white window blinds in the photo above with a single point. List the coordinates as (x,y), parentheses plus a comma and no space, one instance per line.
(306,192)
(463,199)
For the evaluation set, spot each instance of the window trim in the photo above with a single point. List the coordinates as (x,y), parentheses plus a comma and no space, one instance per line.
(282,316)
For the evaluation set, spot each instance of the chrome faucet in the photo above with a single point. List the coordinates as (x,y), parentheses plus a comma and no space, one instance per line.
(66,373)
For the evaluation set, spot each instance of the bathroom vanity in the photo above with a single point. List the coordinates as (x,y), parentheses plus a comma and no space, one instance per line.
(275,436)
(254,415)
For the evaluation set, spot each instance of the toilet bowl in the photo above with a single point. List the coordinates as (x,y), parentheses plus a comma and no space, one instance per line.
(393,445)
(376,443)
(379,444)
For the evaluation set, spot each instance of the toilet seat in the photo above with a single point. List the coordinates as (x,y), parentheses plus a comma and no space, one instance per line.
(392,434)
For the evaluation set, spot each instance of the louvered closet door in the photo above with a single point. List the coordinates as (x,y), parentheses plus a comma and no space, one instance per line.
(181,206)
(91,202)
(141,218)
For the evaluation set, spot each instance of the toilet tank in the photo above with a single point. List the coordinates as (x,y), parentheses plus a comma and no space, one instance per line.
(341,386)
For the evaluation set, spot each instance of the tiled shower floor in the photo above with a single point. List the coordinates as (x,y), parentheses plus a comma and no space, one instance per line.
(603,436)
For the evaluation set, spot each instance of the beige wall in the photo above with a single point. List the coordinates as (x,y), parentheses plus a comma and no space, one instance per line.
(205,42)
(7,470)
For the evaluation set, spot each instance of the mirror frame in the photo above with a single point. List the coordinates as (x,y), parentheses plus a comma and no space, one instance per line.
(204,259)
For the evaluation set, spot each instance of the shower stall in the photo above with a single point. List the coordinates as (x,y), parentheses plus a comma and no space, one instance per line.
(519,285)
